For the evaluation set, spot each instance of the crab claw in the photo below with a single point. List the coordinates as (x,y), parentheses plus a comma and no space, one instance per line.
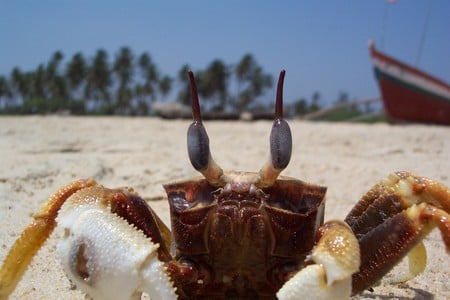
(104,255)
(100,251)
(336,257)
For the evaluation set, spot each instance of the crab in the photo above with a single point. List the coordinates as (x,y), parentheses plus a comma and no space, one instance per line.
(235,235)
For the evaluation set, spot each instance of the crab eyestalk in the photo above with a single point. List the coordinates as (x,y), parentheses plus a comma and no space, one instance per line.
(198,143)
(280,142)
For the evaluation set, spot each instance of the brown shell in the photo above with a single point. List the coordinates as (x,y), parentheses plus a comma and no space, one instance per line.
(246,244)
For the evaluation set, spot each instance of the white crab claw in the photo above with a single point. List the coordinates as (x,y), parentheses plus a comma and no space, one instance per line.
(310,283)
(337,257)
(337,251)
(109,259)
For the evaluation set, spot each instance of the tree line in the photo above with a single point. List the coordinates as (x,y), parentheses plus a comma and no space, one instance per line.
(126,84)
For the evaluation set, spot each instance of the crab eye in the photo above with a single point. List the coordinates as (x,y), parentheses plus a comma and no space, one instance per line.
(280,144)
(198,146)
(198,143)
(280,136)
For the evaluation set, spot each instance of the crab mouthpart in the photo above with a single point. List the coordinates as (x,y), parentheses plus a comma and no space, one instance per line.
(240,195)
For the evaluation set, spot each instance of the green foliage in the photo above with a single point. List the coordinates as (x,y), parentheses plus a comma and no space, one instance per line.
(213,84)
(341,114)
(252,81)
(184,95)
(125,85)
(128,84)
(46,106)
(303,106)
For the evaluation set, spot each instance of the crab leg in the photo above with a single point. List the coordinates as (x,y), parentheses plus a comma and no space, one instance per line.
(333,261)
(34,236)
(391,220)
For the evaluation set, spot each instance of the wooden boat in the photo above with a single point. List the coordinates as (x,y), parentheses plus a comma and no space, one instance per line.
(408,93)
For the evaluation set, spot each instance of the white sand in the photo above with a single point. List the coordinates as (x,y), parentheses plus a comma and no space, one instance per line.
(40,154)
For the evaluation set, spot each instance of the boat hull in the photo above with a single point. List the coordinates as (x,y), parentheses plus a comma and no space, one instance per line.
(409,94)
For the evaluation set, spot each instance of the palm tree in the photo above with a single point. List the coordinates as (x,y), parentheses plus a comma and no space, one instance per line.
(76,73)
(244,67)
(141,103)
(260,81)
(124,97)
(23,89)
(18,84)
(184,96)
(301,107)
(315,99)
(123,68)
(252,81)
(59,90)
(5,92)
(150,74)
(57,87)
(165,85)
(99,79)
(39,84)
(55,82)
(213,83)
(53,65)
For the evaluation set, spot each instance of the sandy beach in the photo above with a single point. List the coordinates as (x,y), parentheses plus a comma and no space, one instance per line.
(39,154)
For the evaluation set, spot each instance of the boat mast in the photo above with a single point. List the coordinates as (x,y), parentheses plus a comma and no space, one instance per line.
(424,28)
(383,25)
(385,20)
(424,33)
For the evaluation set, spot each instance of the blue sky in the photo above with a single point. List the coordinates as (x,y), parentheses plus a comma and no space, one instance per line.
(321,44)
